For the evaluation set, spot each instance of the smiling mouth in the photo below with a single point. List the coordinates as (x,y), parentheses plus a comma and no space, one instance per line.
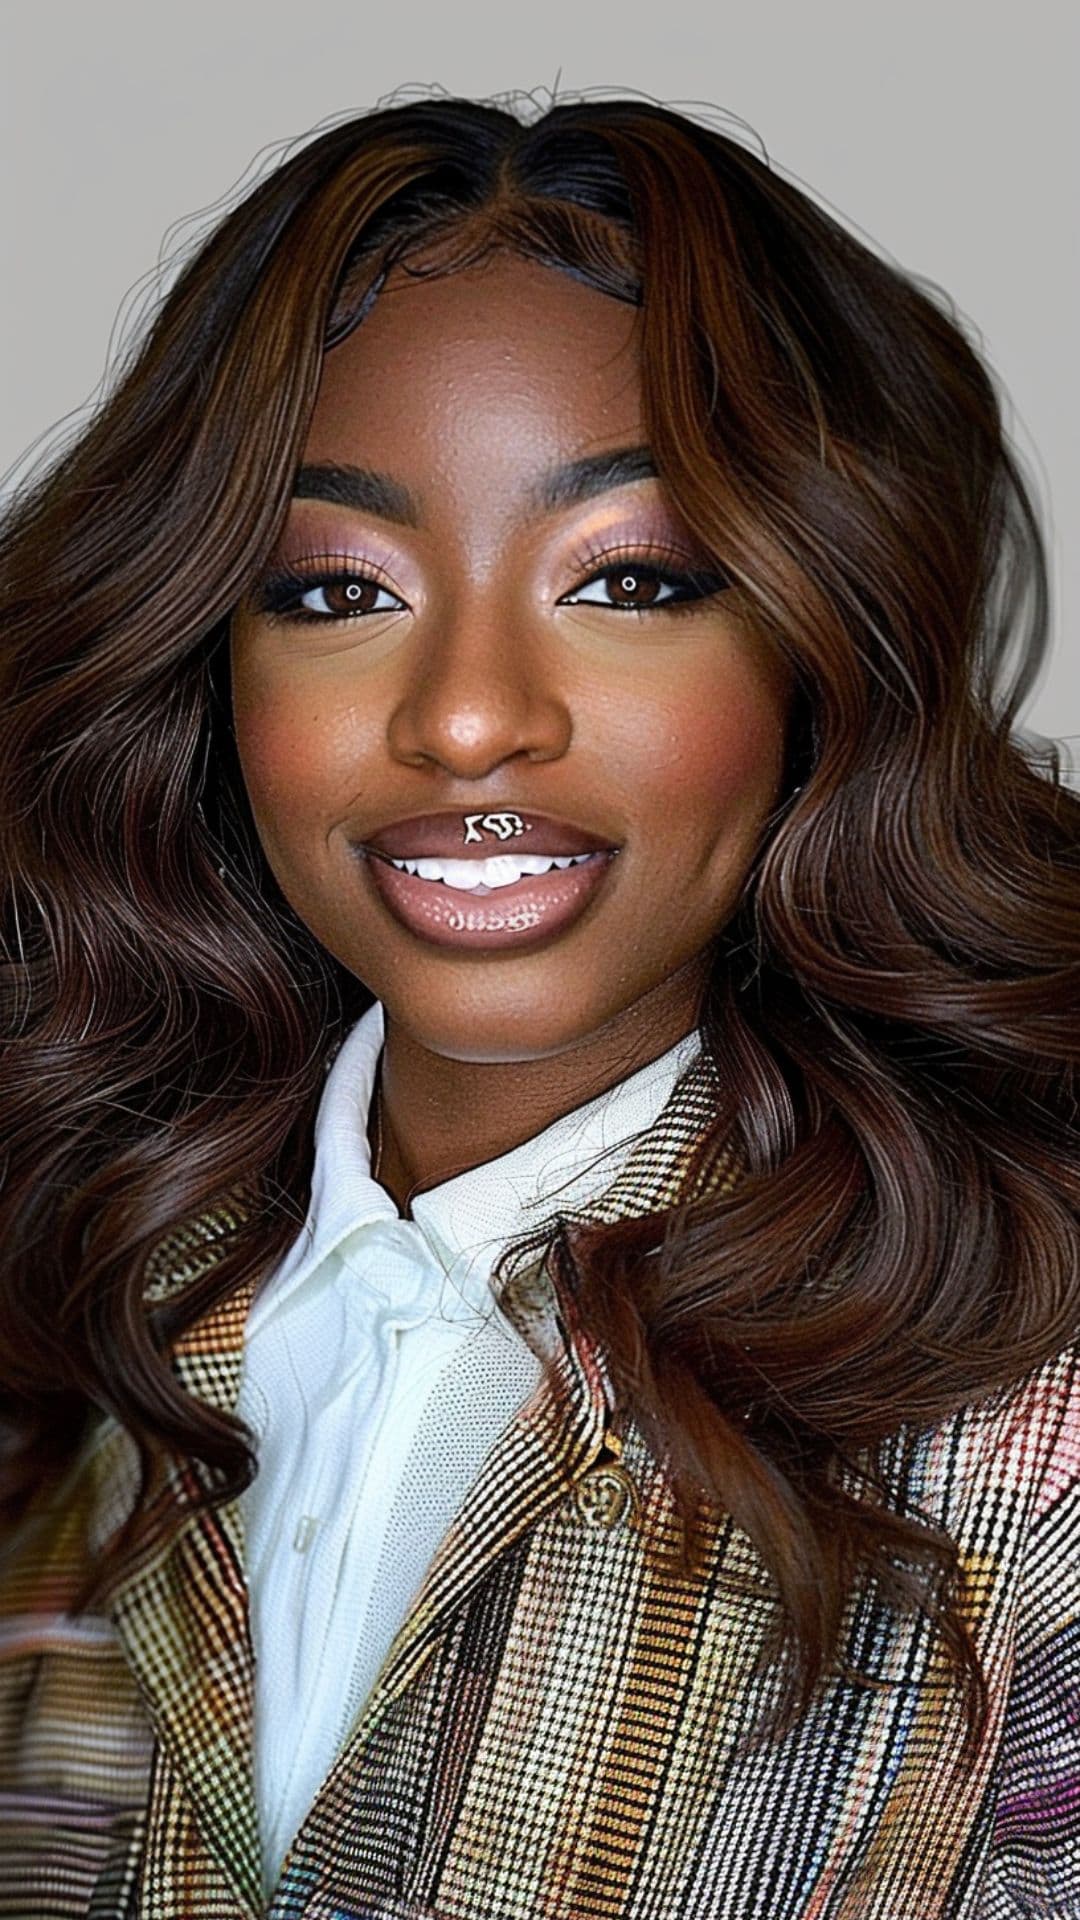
(523,911)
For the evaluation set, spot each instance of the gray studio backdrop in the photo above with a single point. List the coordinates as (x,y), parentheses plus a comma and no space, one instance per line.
(944,135)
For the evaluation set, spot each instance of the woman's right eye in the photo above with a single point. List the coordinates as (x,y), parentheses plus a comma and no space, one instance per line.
(343,596)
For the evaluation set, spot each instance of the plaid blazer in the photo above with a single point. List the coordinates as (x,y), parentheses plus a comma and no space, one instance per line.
(557,1731)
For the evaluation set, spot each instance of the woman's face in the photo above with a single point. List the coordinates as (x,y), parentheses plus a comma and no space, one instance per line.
(477,648)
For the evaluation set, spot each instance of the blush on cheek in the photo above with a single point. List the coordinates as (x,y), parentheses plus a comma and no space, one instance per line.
(729,761)
(276,755)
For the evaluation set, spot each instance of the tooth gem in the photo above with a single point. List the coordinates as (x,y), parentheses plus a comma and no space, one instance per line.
(504,826)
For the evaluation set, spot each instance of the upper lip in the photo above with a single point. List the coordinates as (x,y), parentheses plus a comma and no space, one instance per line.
(441,836)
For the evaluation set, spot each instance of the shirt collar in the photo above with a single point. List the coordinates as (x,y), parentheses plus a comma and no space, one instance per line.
(462,1222)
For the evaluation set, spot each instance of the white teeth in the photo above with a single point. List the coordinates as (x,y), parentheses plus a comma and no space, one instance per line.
(500,871)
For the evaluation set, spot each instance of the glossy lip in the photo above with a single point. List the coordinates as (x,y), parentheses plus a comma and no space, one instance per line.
(441,836)
(533,910)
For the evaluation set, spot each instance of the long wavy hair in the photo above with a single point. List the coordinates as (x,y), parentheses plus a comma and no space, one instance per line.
(892,1009)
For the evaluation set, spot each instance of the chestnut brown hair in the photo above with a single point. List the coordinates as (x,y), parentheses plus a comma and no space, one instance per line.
(892,1009)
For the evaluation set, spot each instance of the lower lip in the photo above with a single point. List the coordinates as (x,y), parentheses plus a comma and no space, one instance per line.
(532,910)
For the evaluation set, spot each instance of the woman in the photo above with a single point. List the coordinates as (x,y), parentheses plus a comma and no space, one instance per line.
(539,1286)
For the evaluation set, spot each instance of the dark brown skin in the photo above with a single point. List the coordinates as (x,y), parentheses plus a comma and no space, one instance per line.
(663,731)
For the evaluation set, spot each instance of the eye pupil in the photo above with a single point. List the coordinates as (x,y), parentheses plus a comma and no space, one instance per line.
(640,586)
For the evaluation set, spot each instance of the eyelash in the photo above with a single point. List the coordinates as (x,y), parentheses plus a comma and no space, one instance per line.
(279,593)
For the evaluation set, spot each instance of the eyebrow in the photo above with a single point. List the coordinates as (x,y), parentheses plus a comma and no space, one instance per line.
(359,487)
(368,491)
(594,473)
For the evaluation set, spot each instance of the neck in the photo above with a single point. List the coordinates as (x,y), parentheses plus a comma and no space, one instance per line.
(433,1116)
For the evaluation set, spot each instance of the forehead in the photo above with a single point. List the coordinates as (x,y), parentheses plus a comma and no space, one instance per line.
(504,365)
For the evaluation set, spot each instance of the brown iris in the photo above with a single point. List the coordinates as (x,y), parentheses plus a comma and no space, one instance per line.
(350,596)
(637,584)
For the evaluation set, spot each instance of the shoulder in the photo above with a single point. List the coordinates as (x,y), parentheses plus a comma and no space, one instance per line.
(1028,1435)
(1012,1465)
(1047,1415)
(1022,1443)
(44,1562)
(1001,1474)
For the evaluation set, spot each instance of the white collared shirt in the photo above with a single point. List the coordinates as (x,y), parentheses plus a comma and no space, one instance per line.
(377,1376)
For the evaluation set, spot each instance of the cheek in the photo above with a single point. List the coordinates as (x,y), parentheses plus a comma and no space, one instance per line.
(276,758)
(715,759)
(294,748)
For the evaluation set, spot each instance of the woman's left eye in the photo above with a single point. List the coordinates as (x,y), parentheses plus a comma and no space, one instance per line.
(638,588)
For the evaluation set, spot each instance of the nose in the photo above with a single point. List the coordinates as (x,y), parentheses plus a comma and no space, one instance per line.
(482,687)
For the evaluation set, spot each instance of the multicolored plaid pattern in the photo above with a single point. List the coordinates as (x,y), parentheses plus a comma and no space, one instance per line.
(558,1730)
